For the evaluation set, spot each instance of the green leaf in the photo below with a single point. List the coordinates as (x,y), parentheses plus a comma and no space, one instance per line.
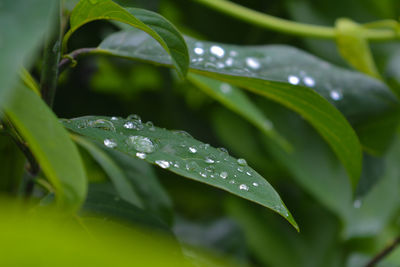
(50,144)
(114,172)
(16,17)
(108,206)
(354,47)
(234,99)
(12,165)
(262,70)
(152,23)
(180,153)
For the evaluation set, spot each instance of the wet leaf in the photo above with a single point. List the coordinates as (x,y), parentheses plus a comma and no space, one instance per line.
(285,75)
(180,153)
(46,138)
(152,23)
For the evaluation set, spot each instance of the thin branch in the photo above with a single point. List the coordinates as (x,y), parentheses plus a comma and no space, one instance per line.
(384,253)
(70,59)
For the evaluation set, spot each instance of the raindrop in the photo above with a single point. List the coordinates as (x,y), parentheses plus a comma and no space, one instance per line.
(192,150)
(110,143)
(82,124)
(336,95)
(102,124)
(244,187)
(229,62)
(217,50)
(134,117)
(176,164)
(141,143)
(293,80)
(255,184)
(141,155)
(233,53)
(225,88)
(162,163)
(114,118)
(203,174)
(150,125)
(232,181)
(240,169)
(309,81)
(252,63)
(210,168)
(199,51)
(182,133)
(223,175)
(191,166)
(242,162)
(129,125)
(210,159)
(248,173)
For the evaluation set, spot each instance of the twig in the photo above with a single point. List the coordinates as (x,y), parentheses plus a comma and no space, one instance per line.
(70,59)
(384,253)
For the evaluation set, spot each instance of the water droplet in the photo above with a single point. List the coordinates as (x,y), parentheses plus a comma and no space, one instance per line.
(220,65)
(217,50)
(255,184)
(336,95)
(141,143)
(309,81)
(191,166)
(199,51)
(210,168)
(129,125)
(210,159)
(248,173)
(203,174)
(242,162)
(240,169)
(141,155)
(232,182)
(150,125)
(182,133)
(357,203)
(110,143)
(114,118)
(229,62)
(225,88)
(204,146)
(176,164)
(162,163)
(293,80)
(244,187)
(253,63)
(134,117)
(102,124)
(223,175)
(233,53)
(192,150)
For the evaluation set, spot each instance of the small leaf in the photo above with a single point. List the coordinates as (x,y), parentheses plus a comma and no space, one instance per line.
(16,17)
(180,153)
(234,99)
(50,144)
(152,23)
(354,47)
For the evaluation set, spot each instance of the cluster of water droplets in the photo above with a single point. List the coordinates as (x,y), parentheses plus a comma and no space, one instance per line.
(191,156)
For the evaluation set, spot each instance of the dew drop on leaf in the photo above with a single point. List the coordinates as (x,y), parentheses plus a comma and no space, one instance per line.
(141,155)
(255,184)
(223,175)
(242,162)
(192,150)
(141,143)
(110,143)
(217,50)
(163,164)
(244,187)
(309,81)
(102,124)
(293,79)
(336,95)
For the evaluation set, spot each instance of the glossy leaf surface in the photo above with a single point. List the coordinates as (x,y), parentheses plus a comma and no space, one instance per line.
(180,153)
(152,23)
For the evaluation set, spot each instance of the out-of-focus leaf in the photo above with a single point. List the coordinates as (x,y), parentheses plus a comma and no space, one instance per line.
(180,153)
(354,47)
(50,144)
(316,169)
(114,172)
(152,23)
(236,100)
(107,206)
(12,166)
(22,26)
(49,240)
(277,72)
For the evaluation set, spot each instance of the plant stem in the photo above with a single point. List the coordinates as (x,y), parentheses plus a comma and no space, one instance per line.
(52,53)
(71,57)
(287,26)
(384,253)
